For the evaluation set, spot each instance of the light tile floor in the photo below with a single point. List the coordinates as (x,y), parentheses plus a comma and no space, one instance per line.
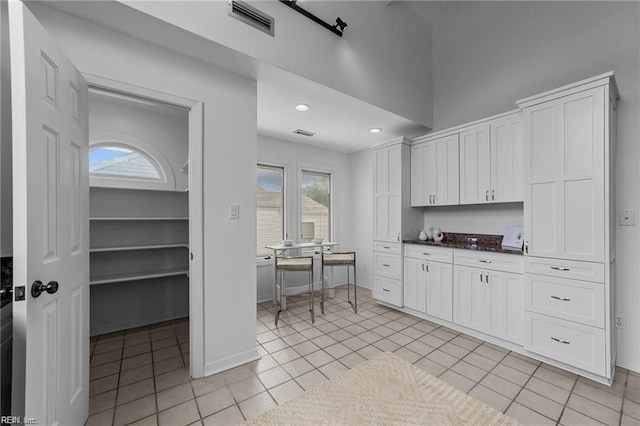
(141,376)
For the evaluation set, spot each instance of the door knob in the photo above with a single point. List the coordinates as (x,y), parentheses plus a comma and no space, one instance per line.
(37,288)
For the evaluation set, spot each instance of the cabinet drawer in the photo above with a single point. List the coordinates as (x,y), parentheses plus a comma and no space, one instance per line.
(387,290)
(435,254)
(587,271)
(388,265)
(387,247)
(487,260)
(573,300)
(575,344)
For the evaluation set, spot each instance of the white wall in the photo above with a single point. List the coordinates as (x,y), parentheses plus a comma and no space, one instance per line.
(294,157)
(486,55)
(384,57)
(229,167)
(165,128)
(361,166)
(475,219)
(6,214)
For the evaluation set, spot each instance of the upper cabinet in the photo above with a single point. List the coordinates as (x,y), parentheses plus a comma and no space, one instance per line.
(491,161)
(435,173)
(567,173)
(393,218)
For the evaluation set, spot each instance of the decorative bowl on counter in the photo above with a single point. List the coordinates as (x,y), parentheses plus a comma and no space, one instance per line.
(317,240)
(287,243)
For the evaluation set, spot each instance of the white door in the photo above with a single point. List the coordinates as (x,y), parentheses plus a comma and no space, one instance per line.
(414,281)
(51,227)
(475,165)
(440,290)
(430,174)
(417,176)
(505,305)
(447,171)
(507,175)
(469,297)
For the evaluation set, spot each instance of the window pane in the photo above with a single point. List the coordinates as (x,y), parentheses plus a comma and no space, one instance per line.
(122,162)
(316,206)
(269,208)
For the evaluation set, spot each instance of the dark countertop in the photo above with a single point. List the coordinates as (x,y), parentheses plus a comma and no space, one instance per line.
(490,243)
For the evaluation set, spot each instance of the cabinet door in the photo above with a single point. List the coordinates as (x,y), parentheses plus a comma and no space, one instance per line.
(468,297)
(507,159)
(430,173)
(417,176)
(440,290)
(475,165)
(505,305)
(564,177)
(447,188)
(414,281)
(387,193)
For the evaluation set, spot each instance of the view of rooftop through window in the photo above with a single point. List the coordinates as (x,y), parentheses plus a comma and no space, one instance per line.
(109,160)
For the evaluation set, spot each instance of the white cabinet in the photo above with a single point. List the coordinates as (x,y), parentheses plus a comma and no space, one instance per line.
(489,301)
(428,280)
(435,172)
(491,161)
(565,203)
(569,223)
(393,217)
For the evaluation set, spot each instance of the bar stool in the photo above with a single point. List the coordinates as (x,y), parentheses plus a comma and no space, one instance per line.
(344,258)
(294,264)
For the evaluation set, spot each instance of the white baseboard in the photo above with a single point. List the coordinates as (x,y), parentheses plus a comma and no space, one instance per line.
(230,362)
(629,364)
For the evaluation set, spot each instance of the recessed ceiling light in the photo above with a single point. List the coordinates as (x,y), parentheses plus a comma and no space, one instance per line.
(302,107)
(375,130)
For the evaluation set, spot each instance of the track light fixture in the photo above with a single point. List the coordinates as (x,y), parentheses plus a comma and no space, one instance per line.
(337,29)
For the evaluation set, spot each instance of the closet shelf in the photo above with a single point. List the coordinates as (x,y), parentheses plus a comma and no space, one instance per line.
(140,218)
(140,247)
(135,276)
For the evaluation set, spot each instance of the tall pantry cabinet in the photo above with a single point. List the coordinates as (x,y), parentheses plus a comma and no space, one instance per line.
(393,217)
(569,151)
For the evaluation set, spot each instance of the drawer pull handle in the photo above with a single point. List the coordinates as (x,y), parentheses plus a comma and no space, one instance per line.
(386,247)
(564,299)
(560,340)
(484,261)
(427,254)
(385,289)
(386,264)
(560,268)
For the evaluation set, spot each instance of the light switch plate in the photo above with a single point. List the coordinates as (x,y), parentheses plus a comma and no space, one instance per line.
(627,218)
(234,211)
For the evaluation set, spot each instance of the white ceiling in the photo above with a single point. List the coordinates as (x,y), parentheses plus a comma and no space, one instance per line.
(339,121)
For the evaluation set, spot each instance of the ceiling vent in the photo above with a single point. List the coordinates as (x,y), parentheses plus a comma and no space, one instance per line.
(252,16)
(304,132)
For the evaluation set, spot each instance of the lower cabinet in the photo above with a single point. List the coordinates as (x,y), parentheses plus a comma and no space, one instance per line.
(387,290)
(489,301)
(428,287)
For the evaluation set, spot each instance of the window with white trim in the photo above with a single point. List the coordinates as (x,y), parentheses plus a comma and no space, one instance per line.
(269,208)
(315,206)
(121,161)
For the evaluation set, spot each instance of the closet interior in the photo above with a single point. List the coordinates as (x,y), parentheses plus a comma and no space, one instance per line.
(139,212)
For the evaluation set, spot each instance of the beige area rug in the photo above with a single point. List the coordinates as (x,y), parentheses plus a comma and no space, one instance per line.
(385,390)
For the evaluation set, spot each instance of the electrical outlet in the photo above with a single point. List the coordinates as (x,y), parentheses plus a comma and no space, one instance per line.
(627,218)
(621,321)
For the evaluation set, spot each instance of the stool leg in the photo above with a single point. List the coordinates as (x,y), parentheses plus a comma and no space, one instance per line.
(322,289)
(280,306)
(311,291)
(348,287)
(355,290)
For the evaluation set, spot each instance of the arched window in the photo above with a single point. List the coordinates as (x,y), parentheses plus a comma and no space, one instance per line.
(120,161)
(125,161)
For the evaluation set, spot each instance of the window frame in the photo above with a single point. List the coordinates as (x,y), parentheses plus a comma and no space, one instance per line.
(285,216)
(318,170)
(121,140)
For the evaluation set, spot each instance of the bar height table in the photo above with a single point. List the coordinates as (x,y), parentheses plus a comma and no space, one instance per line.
(300,246)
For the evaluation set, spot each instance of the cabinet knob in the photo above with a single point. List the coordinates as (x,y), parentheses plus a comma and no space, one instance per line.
(486,195)
(560,268)
(560,340)
(563,299)
(493,195)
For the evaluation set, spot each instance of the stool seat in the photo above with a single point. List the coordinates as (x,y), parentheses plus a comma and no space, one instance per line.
(339,259)
(294,263)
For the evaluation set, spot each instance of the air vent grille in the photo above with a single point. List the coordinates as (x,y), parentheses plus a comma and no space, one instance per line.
(252,16)
(304,132)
